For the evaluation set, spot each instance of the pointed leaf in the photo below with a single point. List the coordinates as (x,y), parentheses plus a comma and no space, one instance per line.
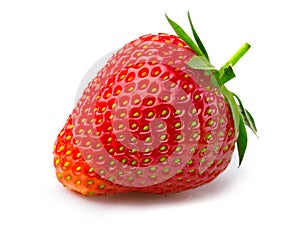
(251,121)
(198,41)
(185,37)
(242,140)
(248,119)
(200,62)
(233,107)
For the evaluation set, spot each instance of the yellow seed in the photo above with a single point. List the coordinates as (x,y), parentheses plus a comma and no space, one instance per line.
(78,182)
(182,98)
(156,72)
(150,102)
(78,155)
(68,137)
(153,90)
(91,170)
(83,120)
(164,112)
(57,161)
(68,152)
(144,74)
(78,168)
(90,131)
(150,114)
(66,164)
(88,143)
(130,89)
(166,98)
(61,133)
(121,148)
(136,101)
(61,148)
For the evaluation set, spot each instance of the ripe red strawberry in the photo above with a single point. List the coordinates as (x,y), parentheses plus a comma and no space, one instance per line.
(156,118)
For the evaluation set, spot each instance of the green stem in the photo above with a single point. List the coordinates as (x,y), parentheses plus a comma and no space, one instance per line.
(237,56)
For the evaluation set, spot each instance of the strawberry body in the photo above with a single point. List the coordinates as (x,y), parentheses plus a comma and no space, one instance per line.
(147,122)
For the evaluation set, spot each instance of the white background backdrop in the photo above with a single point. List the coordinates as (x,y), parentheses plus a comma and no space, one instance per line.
(46,47)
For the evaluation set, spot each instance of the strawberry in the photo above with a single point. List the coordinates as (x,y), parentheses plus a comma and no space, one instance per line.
(156,118)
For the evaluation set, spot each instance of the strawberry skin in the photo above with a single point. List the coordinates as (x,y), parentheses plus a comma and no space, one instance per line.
(148,122)
(88,133)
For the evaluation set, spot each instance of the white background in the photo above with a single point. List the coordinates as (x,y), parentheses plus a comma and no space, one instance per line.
(46,47)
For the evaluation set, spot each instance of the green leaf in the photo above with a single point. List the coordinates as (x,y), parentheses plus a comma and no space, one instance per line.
(242,140)
(233,107)
(251,122)
(185,37)
(226,74)
(200,62)
(247,117)
(198,41)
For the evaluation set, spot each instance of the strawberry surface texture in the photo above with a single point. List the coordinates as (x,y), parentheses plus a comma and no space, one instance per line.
(157,118)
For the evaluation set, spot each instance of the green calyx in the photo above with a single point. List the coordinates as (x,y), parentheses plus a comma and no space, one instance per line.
(241,116)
